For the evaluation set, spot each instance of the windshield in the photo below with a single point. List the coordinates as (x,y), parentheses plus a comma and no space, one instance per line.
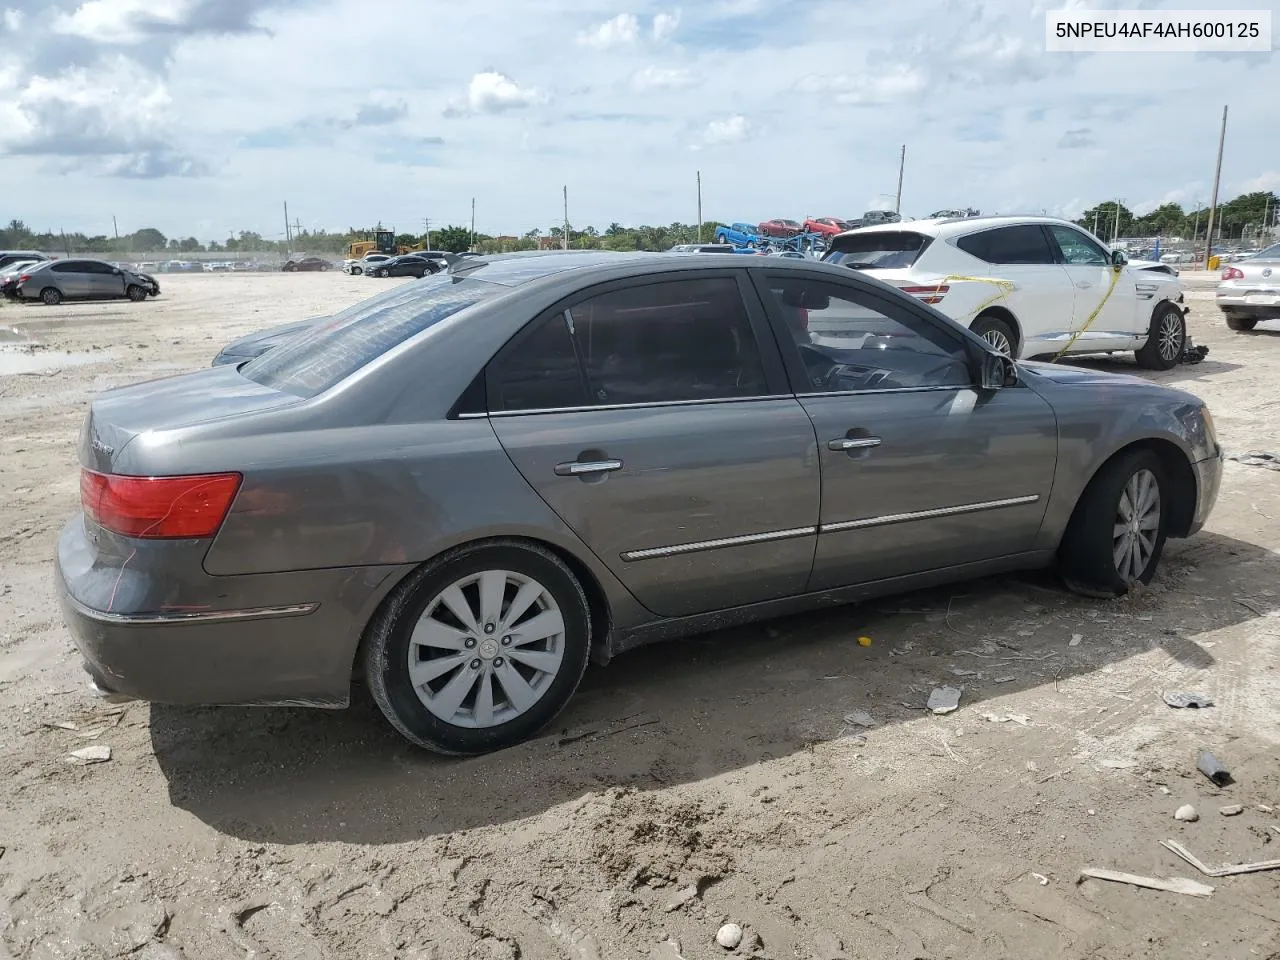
(1269,253)
(335,349)
(877,249)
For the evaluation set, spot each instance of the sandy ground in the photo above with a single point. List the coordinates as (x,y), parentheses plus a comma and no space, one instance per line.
(726,777)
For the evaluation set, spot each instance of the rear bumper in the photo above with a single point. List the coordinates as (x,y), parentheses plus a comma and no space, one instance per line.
(1249,300)
(287,639)
(1208,479)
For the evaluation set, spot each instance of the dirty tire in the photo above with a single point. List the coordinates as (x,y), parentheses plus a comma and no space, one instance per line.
(356,271)
(1241,323)
(51,295)
(1086,557)
(135,293)
(384,273)
(1166,339)
(998,333)
(387,644)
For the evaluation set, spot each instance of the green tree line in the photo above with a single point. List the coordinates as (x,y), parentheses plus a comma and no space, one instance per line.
(1243,218)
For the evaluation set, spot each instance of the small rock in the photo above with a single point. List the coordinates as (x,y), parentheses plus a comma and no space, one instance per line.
(1166,791)
(683,896)
(87,755)
(666,950)
(729,936)
(944,699)
(1266,809)
(1231,810)
(1092,812)
(1186,813)
(1075,640)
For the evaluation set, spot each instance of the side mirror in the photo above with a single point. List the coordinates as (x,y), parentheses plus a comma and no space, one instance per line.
(1118,259)
(996,371)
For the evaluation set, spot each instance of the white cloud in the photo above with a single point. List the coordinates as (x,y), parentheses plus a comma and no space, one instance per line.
(121,21)
(879,88)
(732,129)
(621,30)
(665,25)
(494,92)
(1270,180)
(662,78)
(13,20)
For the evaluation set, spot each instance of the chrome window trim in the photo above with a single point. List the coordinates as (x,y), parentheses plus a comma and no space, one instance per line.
(926,514)
(648,404)
(700,545)
(162,617)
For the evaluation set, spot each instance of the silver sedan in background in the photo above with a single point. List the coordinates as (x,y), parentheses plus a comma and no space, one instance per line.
(1249,290)
(461,490)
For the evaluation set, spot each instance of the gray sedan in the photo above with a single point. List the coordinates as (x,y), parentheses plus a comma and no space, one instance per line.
(461,490)
(1249,290)
(53,281)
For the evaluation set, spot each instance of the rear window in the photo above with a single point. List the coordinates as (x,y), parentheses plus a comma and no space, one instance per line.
(332,351)
(878,249)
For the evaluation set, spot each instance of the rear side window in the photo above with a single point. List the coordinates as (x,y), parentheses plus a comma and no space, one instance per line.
(69,266)
(878,249)
(332,351)
(663,342)
(1024,243)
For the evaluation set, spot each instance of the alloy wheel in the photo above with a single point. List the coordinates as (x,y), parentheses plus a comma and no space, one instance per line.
(1170,336)
(998,340)
(486,649)
(1137,525)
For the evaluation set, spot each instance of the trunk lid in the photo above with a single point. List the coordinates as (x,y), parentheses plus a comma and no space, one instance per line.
(117,416)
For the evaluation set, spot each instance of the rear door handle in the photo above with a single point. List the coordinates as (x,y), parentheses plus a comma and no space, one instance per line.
(585,468)
(852,443)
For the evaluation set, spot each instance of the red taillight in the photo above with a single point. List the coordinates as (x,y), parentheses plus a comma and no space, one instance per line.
(1231,273)
(24,278)
(158,508)
(932,294)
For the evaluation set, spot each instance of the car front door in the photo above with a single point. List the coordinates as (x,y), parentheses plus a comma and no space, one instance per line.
(1041,298)
(920,469)
(655,419)
(1105,307)
(104,280)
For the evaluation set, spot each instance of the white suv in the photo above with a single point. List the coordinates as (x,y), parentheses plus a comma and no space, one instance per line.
(1030,286)
(357,267)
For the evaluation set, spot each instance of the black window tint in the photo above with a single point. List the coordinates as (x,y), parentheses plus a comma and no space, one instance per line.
(539,371)
(849,340)
(69,266)
(1077,248)
(92,267)
(669,341)
(878,249)
(1025,243)
(333,350)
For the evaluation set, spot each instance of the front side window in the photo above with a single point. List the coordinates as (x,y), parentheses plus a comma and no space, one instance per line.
(849,340)
(665,342)
(1077,248)
(1024,243)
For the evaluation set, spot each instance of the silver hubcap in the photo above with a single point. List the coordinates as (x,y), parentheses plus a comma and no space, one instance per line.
(999,341)
(1137,525)
(1170,342)
(486,649)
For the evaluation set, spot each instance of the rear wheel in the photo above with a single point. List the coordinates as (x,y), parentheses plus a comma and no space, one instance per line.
(1117,531)
(479,649)
(356,271)
(1166,340)
(51,295)
(384,272)
(998,332)
(1237,322)
(135,293)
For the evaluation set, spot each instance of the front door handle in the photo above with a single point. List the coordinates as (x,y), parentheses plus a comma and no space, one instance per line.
(852,443)
(585,468)
(1083,284)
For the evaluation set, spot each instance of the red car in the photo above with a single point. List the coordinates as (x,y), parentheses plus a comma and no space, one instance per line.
(780,228)
(829,226)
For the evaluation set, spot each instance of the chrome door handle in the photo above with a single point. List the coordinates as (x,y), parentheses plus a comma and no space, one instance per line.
(581,468)
(852,443)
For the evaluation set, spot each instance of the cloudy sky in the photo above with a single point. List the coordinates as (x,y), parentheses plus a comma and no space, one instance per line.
(201,116)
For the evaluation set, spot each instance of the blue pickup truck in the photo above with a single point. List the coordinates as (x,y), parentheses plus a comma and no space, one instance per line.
(739,234)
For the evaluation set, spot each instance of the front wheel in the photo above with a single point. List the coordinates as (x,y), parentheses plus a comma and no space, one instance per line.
(479,649)
(1117,531)
(136,293)
(997,332)
(356,271)
(384,273)
(1166,339)
(1236,322)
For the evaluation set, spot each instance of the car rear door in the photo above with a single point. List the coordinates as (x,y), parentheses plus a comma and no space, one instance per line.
(920,470)
(73,278)
(1105,299)
(1041,298)
(653,415)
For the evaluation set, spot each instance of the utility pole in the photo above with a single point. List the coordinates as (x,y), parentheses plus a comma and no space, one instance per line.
(115,229)
(288,237)
(1195,230)
(1266,216)
(297,228)
(902,163)
(1096,211)
(1213,202)
(564,241)
(473,224)
(427,226)
(699,206)
(1115,231)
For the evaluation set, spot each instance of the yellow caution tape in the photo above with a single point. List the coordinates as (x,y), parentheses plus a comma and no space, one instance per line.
(1115,278)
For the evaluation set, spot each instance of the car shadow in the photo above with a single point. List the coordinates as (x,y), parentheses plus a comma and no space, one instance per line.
(1184,371)
(698,708)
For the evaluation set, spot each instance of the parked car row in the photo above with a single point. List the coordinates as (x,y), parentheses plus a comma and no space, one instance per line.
(623,412)
(743,234)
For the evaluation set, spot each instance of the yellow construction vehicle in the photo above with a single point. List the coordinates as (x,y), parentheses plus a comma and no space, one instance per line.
(384,241)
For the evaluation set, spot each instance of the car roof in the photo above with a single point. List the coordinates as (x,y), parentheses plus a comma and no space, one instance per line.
(956,226)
